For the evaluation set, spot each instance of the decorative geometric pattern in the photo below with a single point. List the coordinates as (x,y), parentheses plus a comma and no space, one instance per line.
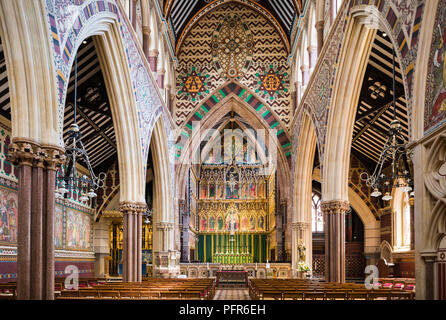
(272,83)
(213,47)
(232,47)
(244,95)
(193,85)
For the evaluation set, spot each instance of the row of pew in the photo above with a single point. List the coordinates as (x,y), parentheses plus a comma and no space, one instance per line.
(300,289)
(190,289)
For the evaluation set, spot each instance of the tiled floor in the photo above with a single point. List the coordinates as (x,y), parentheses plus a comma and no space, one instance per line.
(231,294)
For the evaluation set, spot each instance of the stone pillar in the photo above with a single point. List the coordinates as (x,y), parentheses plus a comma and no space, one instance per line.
(146,41)
(335,239)
(160,78)
(153,59)
(305,76)
(168,98)
(36,201)
(298,85)
(132,237)
(312,54)
(320,36)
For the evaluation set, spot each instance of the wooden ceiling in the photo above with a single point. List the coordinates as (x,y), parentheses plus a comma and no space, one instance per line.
(93,108)
(375,107)
(179,12)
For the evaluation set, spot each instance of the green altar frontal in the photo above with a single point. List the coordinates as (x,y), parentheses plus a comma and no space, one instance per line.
(238,248)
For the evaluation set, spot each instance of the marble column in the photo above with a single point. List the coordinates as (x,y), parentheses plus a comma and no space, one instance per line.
(36,200)
(146,41)
(335,239)
(168,97)
(160,78)
(320,36)
(429,260)
(299,236)
(185,224)
(132,240)
(153,60)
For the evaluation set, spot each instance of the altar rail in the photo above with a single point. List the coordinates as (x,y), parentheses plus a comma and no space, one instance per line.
(255,270)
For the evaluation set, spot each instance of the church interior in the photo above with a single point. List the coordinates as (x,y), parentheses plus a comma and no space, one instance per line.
(223,149)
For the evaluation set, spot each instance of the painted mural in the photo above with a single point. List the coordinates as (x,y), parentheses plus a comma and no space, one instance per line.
(78,230)
(435,110)
(58,226)
(243,46)
(8,216)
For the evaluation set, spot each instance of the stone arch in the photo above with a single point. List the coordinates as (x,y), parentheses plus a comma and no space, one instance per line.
(341,115)
(163,205)
(253,110)
(386,251)
(302,173)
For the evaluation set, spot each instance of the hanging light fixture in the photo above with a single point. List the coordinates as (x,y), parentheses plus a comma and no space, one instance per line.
(395,150)
(69,180)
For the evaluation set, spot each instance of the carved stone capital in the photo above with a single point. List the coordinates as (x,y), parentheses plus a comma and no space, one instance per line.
(335,206)
(128,207)
(26,153)
(54,157)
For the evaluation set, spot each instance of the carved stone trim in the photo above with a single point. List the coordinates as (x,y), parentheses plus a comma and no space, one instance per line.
(25,153)
(54,157)
(128,207)
(335,206)
(164,225)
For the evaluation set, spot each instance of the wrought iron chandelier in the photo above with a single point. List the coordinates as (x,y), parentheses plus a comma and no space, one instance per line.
(395,150)
(70,180)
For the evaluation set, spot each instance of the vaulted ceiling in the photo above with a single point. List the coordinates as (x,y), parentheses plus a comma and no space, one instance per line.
(180,12)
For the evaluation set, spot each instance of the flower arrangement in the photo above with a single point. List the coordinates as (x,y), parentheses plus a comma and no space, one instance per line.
(303,266)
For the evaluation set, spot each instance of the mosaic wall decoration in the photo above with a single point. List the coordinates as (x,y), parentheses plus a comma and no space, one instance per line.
(192,85)
(8,215)
(233,42)
(435,106)
(7,170)
(232,47)
(272,84)
(78,230)
(58,226)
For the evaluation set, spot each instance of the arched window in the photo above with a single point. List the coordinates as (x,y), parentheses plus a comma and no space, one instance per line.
(316,213)
(401,221)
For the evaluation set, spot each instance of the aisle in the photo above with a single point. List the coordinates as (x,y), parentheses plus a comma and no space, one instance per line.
(231,294)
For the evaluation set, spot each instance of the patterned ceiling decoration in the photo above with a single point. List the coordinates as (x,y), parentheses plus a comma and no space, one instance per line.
(285,12)
(5,102)
(251,49)
(232,47)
